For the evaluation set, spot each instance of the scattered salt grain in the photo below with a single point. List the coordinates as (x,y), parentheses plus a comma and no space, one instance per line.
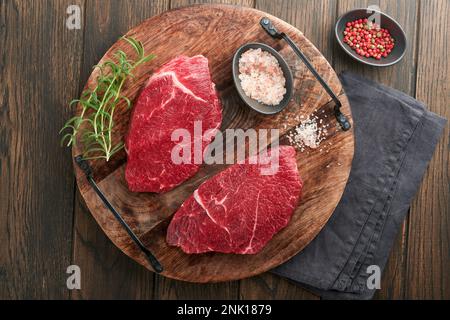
(307,134)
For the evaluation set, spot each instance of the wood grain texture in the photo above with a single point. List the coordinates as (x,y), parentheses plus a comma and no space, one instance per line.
(317,28)
(428,258)
(315,19)
(271,287)
(324,173)
(36,190)
(106,272)
(402,77)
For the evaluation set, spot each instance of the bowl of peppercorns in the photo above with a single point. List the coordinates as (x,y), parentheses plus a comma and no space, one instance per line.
(371,37)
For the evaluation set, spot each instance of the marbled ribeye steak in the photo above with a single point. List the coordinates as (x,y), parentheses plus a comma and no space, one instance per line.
(239,210)
(180,93)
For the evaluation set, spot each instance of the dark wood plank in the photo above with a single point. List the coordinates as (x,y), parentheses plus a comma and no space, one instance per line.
(271,287)
(107,272)
(317,28)
(428,260)
(314,18)
(39,68)
(171,289)
(401,77)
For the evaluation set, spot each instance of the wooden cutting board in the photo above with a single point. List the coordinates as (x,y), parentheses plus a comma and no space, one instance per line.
(217,32)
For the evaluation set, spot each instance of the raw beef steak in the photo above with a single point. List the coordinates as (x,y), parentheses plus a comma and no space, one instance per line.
(239,210)
(178,94)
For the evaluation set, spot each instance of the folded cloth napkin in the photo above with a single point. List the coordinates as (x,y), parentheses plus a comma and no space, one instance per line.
(395,137)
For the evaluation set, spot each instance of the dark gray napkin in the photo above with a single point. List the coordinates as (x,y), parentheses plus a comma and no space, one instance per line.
(395,137)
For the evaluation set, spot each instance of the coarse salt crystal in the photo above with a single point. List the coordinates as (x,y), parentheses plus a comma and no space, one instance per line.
(261,77)
(307,134)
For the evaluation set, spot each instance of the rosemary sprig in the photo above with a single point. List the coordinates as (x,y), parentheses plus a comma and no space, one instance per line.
(98,105)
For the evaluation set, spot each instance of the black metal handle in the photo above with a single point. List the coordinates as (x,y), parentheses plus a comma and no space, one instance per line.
(270,29)
(274,33)
(84,165)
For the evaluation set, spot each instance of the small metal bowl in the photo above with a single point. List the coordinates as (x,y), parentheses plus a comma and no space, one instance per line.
(386,22)
(255,105)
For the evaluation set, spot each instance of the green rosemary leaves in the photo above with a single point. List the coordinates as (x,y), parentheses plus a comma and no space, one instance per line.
(99,103)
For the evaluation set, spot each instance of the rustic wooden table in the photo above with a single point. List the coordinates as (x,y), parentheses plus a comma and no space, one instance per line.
(44,226)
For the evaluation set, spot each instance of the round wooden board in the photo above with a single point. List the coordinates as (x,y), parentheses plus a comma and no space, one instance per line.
(217,32)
